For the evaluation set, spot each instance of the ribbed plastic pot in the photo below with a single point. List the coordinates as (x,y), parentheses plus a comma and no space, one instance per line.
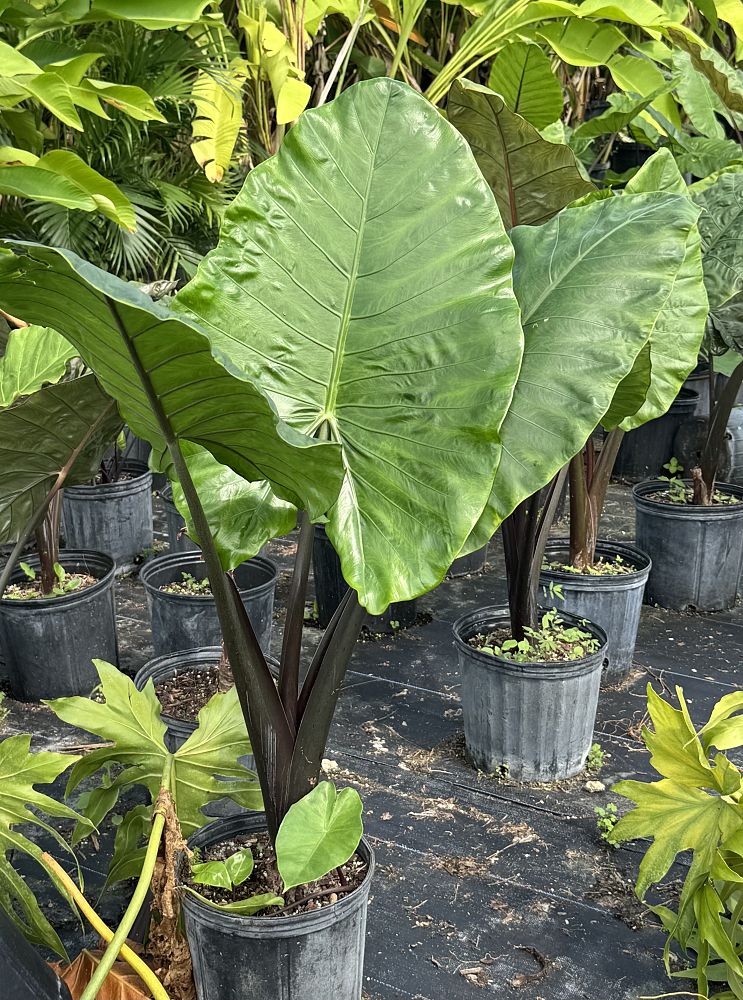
(178,540)
(330,588)
(613,602)
(25,974)
(161,668)
(184,621)
(645,450)
(697,552)
(48,644)
(534,720)
(311,956)
(115,518)
(472,563)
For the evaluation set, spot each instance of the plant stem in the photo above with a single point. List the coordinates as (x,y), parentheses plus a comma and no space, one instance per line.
(710,459)
(141,889)
(133,960)
(342,57)
(292,645)
(47,544)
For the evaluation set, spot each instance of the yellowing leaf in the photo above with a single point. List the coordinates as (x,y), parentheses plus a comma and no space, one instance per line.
(216,124)
(293,98)
(120,984)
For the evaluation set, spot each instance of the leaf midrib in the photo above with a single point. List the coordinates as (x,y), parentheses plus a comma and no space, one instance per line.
(331,394)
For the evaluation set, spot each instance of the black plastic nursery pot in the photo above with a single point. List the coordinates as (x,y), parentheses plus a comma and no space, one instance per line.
(162,668)
(182,621)
(317,955)
(330,588)
(697,552)
(613,602)
(48,644)
(25,974)
(178,540)
(115,518)
(645,450)
(474,562)
(532,720)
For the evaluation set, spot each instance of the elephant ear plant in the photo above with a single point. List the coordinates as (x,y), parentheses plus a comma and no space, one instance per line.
(352,342)
(585,358)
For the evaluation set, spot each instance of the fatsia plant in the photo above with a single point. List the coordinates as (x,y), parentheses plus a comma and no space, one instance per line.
(584,360)
(694,806)
(342,248)
(21,804)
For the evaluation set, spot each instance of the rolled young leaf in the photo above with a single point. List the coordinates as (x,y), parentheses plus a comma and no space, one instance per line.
(363,278)
(142,352)
(531,178)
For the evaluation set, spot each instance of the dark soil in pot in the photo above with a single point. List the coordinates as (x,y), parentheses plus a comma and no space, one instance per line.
(645,450)
(184,682)
(181,621)
(531,721)
(113,517)
(330,588)
(613,601)
(48,644)
(317,954)
(178,540)
(697,552)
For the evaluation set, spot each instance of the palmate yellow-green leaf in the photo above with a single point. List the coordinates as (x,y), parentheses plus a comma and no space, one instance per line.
(217,118)
(724,728)
(34,355)
(677,818)
(130,721)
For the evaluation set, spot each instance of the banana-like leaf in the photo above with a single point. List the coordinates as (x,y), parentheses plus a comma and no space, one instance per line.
(643,13)
(580,344)
(522,75)
(217,118)
(697,97)
(130,721)
(149,14)
(34,355)
(532,179)
(242,516)
(20,771)
(141,351)
(60,429)
(133,101)
(677,336)
(363,277)
(635,75)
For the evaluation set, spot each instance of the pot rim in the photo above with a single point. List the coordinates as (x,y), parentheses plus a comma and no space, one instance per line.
(191,557)
(562,669)
(642,501)
(613,580)
(297,925)
(75,557)
(101,491)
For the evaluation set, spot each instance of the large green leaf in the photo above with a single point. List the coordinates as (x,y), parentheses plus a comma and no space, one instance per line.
(531,178)
(583,43)
(204,769)
(623,109)
(631,392)
(153,14)
(721,229)
(34,355)
(320,832)
(643,13)
(242,516)
(522,75)
(726,80)
(140,350)
(697,97)
(21,804)
(678,818)
(677,336)
(61,427)
(591,284)
(636,75)
(365,282)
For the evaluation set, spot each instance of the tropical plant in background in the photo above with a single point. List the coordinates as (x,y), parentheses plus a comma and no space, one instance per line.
(622,348)
(694,806)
